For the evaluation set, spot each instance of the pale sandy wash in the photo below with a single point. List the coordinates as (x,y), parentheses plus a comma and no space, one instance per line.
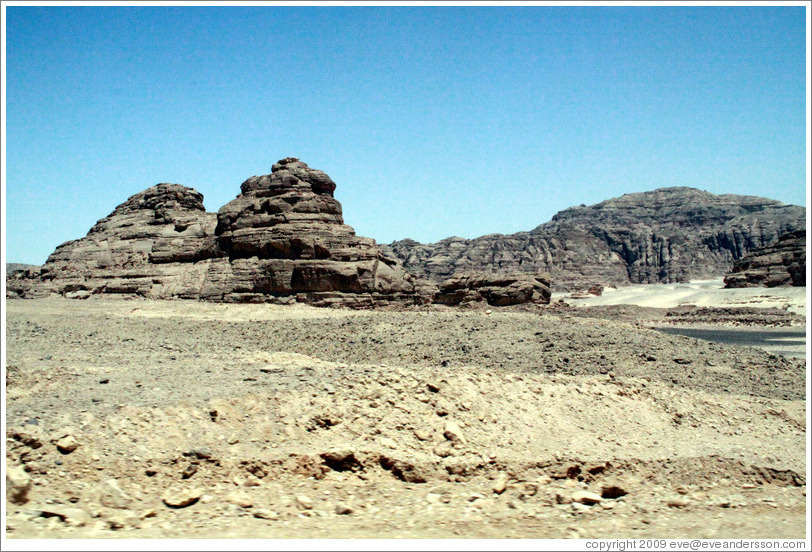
(178,419)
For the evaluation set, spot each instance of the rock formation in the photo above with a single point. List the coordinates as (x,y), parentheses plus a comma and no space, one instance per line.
(666,235)
(283,239)
(781,264)
(495,289)
(284,235)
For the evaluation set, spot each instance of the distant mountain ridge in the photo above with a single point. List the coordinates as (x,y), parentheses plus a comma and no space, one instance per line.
(665,235)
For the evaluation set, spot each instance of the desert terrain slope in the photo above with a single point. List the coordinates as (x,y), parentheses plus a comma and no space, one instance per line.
(181,419)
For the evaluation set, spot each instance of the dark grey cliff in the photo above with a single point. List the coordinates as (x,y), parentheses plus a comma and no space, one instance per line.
(666,235)
(780,264)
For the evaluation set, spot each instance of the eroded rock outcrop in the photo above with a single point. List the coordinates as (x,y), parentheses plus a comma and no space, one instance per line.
(283,239)
(143,247)
(284,235)
(498,290)
(666,235)
(781,264)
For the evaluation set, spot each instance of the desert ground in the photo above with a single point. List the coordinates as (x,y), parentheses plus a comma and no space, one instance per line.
(130,418)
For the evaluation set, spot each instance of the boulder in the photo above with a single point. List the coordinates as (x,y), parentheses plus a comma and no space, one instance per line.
(495,289)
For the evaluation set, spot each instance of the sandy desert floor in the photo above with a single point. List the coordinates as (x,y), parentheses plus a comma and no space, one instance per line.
(176,419)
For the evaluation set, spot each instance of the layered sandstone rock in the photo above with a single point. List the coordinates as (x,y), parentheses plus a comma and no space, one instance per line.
(136,249)
(781,264)
(285,235)
(495,289)
(283,239)
(666,235)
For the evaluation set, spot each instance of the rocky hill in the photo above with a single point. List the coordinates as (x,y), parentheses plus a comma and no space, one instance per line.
(666,235)
(781,264)
(283,239)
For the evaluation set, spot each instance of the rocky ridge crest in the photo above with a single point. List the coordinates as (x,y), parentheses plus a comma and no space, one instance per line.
(283,239)
(665,235)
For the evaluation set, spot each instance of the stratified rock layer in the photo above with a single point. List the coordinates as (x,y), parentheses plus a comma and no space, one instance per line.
(666,235)
(495,289)
(781,264)
(283,239)
(285,235)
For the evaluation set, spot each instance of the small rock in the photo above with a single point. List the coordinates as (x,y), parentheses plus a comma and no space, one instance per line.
(586,497)
(18,484)
(304,502)
(342,509)
(240,499)
(422,434)
(122,520)
(249,480)
(67,444)
(444,449)
(233,439)
(676,502)
(264,513)
(387,442)
(112,496)
(181,498)
(452,432)
(580,507)
(189,471)
(202,453)
(500,483)
(610,490)
(75,517)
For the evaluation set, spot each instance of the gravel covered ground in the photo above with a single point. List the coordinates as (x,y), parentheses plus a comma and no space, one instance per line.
(175,419)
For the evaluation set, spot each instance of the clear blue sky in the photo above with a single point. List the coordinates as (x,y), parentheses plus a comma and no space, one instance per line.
(433,121)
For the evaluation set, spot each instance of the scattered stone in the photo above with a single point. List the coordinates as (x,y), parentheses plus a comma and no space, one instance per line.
(264,513)
(67,444)
(676,502)
(240,499)
(452,432)
(112,496)
(610,490)
(202,453)
(122,520)
(18,484)
(444,449)
(181,498)
(304,502)
(387,442)
(500,483)
(75,517)
(422,434)
(248,480)
(189,471)
(586,497)
(342,509)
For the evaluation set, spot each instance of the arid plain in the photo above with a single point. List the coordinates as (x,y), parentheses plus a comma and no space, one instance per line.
(181,419)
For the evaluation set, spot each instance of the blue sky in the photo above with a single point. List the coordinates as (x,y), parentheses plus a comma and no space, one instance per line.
(433,121)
